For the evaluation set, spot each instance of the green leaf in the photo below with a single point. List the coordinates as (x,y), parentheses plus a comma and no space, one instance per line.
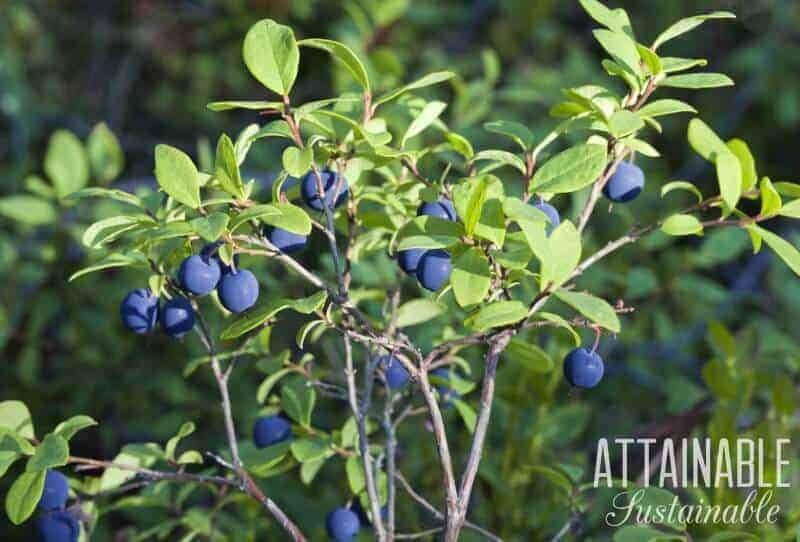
(783,395)
(344,55)
(110,261)
(354,468)
(118,195)
(528,355)
(309,449)
(266,386)
(501,158)
(429,232)
(210,227)
(660,108)
(791,209)
(177,175)
(681,185)
(621,48)
(417,311)
(66,163)
(272,56)
(697,80)
(468,199)
(680,224)
(593,308)
(132,455)
(749,176)
(256,212)
(14,415)
(426,117)
(729,175)
(297,161)
(303,332)
(615,19)
(185,430)
(633,533)
(29,210)
(24,495)
(676,64)
(640,146)
(109,229)
(516,131)
(105,154)
(52,452)
(559,253)
(460,144)
(244,104)
(785,250)
(290,218)
(497,314)
(624,122)
(770,199)
(518,210)
(11,449)
(560,322)
(67,429)
(686,25)
(570,170)
(226,168)
(471,277)
(467,413)
(704,141)
(426,81)
(297,400)
(263,312)
(650,59)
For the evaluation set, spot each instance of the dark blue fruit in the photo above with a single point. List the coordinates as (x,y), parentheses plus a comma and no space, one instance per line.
(310,193)
(238,291)
(434,269)
(287,241)
(139,311)
(200,274)
(212,251)
(270,430)
(342,525)
(177,317)
(393,371)
(625,184)
(551,213)
(583,368)
(58,526)
(56,491)
(363,517)
(441,209)
(409,259)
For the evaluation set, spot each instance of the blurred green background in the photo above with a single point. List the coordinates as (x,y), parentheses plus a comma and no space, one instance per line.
(147,69)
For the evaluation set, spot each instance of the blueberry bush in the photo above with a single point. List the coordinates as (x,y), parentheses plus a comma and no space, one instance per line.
(427,286)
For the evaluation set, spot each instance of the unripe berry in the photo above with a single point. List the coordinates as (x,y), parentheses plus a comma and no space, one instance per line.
(238,291)
(139,311)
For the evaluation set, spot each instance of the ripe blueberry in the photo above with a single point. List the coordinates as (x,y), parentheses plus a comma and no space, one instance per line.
(200,274)
(409,259)
(342,525)
(238,291)
(139,311)
(434,269)
(177,317)
(212,251)
(394,372)
(551,213)
(442,209)
(287,241)
(56,491)
(270,430)
(583,368)
(309,190)
(625,184)
(58,526)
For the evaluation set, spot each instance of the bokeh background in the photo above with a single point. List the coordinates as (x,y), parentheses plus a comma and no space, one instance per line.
(147,68)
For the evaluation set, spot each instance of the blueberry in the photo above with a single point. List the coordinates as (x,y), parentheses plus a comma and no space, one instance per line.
(270,430)
(238,291)
(409,259)
(200,274)
(56,491)
(441,209)
(394,372)
(625,184)
(139,311)
(434,269)
(58,526)
(177,317)
(551,213)
(212,251)
(287,241)
(583,369)
(310,193)
(342,525)
(363,517)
